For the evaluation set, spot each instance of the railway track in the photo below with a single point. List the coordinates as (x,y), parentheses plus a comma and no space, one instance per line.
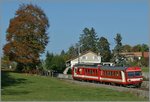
(104,85)
(140,92)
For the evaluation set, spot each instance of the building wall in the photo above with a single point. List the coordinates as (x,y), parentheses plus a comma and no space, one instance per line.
(87,58)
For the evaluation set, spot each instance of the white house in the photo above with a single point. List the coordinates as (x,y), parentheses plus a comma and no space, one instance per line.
(87,57)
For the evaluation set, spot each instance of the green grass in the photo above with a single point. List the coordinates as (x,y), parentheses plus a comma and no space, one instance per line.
(22,87)
(145,69)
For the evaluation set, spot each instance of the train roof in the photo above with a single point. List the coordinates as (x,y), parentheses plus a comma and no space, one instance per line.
(87,65)
(113,68)
(101,67)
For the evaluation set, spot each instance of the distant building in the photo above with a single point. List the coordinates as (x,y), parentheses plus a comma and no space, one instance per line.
(87,57)
(135,55)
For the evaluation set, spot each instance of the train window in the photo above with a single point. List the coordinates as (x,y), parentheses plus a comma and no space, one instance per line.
(86,71)
(105,73)
(117,74)
(138,73)
(113,73)
(90,71)
(75,70)
(130,74)
(96,72)
(110,73)
(93,72)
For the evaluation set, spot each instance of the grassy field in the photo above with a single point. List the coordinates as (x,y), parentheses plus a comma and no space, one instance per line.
(22,87)
(145,69)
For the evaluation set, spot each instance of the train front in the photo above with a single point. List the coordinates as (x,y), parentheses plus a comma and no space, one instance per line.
(134,76)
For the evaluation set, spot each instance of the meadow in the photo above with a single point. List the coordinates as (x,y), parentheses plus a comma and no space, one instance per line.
(25,87)
(145,69)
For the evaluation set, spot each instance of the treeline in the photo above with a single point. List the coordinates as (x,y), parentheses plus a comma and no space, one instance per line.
(27,38)
(89,40)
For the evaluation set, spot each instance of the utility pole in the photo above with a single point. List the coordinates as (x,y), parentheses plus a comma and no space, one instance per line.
(79,53)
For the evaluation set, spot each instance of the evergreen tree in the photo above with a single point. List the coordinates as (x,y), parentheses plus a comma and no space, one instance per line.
(62,53)
(117,57)
(48,60)
(104,49)
(58,63)
(88,40)
(72,52)
(145,47)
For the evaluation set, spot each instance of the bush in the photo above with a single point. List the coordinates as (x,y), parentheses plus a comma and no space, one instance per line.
(69,71)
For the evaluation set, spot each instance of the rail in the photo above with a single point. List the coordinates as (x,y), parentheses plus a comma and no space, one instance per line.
(140,92)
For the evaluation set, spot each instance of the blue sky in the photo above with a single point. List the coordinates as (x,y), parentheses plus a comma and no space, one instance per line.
(68,19)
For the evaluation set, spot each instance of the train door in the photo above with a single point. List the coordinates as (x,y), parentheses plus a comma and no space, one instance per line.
(74,72)
(123,76)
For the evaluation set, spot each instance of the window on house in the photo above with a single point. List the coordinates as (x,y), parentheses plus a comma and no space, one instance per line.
(84,57)
(95,57)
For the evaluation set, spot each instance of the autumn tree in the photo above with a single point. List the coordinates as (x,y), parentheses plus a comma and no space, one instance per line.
(104,49)
(88,40)
(27,36)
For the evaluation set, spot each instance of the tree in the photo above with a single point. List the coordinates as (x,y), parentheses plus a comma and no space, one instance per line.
(140,48)
(27,36)
(104,49)
(72,52)
(62,53)
(137,48)
(145,47)
(58,63)
(88,40)
(118,58)
(126,48)
(48,60)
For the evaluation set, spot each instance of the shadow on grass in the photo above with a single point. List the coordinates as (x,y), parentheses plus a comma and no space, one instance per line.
(8,80)
(14,92)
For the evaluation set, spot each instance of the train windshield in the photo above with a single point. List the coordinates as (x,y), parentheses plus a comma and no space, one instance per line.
(134,74)
(138,73)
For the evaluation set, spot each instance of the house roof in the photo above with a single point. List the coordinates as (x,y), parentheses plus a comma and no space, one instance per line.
(83,54)
(136,54)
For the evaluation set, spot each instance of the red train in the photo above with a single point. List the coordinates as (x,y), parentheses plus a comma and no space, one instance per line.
(125,76)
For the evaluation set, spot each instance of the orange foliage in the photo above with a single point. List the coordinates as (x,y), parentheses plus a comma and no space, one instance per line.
(26,35)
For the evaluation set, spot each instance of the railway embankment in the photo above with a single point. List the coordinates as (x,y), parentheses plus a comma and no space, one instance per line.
(140,92)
